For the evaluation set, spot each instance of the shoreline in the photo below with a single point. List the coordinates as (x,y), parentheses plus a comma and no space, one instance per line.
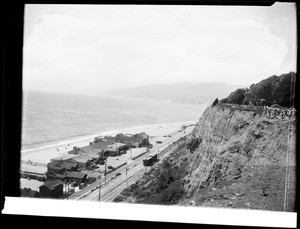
(44,153)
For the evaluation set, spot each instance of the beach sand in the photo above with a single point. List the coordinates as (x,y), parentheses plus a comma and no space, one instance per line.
(156,132)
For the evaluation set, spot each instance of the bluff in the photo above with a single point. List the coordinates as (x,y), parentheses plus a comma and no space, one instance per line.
(244,160)
(235,157)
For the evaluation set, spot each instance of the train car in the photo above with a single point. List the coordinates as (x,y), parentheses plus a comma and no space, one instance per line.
(149,160)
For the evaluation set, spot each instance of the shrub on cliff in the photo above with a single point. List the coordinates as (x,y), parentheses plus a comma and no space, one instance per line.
(193,144)
(215,102)
(172,193)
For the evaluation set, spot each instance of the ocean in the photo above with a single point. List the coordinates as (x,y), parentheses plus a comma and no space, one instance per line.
(52,118)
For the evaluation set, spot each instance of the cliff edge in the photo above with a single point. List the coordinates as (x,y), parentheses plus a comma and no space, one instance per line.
(244,160)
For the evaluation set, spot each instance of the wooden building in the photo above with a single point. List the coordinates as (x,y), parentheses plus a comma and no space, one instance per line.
(52,188)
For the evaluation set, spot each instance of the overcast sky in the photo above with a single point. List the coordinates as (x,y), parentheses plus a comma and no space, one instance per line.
(86,49)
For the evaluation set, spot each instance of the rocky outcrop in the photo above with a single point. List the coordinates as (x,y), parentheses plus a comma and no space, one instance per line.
(244,152)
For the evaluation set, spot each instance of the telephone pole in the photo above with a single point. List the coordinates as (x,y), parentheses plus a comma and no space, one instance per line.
(126,178)
(105,172)
(99,191)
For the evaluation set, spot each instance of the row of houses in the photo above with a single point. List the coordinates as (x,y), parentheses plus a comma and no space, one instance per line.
(126,139)
(48,189)
(69,167)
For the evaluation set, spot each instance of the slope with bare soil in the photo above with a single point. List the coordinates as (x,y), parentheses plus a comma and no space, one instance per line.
(244,160)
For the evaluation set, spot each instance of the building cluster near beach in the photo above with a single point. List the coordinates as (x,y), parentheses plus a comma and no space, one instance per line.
(75,169)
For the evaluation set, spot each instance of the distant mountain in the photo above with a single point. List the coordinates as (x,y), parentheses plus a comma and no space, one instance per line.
(179,92)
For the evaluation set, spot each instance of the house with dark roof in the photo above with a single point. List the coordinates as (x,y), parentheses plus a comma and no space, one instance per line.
(56,168)
(131,139)
(62,166)
(52,188)
(52,175)
(83,160)
(28,192)
(138,138)
(76,177)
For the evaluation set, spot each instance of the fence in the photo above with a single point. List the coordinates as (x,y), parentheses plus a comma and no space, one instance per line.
(32,175)
(279,113)
(34,163)
(283,114)
(242,107)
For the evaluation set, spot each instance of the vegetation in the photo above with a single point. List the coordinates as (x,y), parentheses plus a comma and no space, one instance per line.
(236,97)
(215,102)
(168,187)
(163,184)
(145,143)
(273,90)
(193,144)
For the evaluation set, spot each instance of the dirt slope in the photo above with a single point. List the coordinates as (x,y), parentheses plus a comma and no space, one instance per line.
(241,161)
(234,158)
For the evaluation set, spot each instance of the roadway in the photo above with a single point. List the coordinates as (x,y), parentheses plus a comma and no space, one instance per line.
(114,184)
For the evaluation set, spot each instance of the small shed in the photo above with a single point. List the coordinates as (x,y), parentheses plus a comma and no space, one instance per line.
(52,188)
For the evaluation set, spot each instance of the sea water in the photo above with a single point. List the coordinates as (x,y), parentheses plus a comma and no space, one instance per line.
(51,118)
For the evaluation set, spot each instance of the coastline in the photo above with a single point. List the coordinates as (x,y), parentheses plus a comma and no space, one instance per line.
(45,153)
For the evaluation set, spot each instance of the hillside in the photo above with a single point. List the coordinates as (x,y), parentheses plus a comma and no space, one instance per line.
(235,158)
(180,92)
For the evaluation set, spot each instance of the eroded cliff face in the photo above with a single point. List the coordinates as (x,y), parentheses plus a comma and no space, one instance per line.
(241,161)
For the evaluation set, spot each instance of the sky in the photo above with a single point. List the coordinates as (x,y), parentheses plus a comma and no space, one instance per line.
(88,49)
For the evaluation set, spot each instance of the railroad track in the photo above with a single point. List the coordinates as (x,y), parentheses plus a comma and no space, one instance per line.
(107,193)
(114,192)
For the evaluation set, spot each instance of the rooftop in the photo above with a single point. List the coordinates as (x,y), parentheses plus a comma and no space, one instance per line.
(90,149)
(64,157)
(52,184)
(75,175)
(63,164)
(116,145)
(83,158)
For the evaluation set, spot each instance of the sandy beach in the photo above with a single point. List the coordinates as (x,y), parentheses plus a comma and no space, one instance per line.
(155,131)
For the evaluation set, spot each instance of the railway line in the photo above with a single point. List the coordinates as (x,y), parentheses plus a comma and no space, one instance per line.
(116,181)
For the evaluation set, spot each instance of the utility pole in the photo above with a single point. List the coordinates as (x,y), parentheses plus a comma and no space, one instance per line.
(126,178)
(105,172)
(66,188)
(99,191)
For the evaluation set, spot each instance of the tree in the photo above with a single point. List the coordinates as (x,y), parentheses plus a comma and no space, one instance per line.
(275,89)
(236,97)
(145,142)
(215,102)
(283,91)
